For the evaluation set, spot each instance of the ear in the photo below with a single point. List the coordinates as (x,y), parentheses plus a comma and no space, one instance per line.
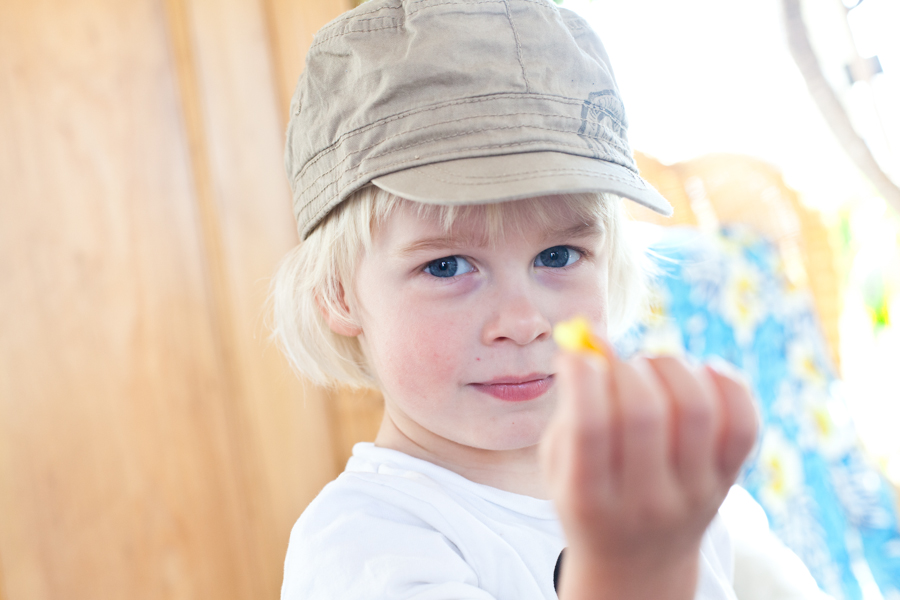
(341,324)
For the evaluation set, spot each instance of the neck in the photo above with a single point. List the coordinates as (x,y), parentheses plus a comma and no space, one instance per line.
(516,470)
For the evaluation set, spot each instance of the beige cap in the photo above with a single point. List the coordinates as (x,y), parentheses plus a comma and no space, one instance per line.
(458,101)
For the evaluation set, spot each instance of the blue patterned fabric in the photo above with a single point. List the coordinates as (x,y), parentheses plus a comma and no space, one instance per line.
(727,296)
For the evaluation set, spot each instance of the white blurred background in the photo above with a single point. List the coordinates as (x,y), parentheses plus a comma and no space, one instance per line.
(717,76)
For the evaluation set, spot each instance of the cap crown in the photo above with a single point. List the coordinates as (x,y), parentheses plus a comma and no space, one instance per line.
(397,84)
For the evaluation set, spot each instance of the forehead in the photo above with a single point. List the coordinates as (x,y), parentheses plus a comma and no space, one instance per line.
(532,219)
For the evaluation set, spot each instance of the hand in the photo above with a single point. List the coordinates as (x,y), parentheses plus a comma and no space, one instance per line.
(638,458)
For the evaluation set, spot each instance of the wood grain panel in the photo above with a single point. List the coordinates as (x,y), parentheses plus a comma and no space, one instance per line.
(152,443)
(116,452)
(280,427)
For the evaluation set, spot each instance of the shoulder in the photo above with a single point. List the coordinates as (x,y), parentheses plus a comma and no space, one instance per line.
(367,532)
(367,503)
(393,525)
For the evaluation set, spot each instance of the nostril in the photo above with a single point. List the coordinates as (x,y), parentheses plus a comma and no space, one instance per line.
(521,325)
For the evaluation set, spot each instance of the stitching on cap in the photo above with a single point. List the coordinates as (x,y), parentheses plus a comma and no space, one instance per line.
(535,175)
(592,174)
(299,211)
(436,139)
(352,17)
(430,4)
(546,5)
(518,45)
(324,152)
(544,144)
(408,161)
(361,30)
(403,115)
(376,18)
(431,125)
(464,133)
(439,168)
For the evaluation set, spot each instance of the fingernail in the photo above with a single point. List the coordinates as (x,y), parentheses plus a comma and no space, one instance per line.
(724,367)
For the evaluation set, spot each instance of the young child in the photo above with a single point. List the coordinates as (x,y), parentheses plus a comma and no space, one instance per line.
(458,168)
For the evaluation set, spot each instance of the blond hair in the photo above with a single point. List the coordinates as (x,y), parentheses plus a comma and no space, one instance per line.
(313,276)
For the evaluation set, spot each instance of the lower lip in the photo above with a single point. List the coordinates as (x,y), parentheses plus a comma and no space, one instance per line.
(516,392)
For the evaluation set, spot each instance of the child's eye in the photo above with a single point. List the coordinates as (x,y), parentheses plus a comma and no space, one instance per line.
(449,266)
(556,257)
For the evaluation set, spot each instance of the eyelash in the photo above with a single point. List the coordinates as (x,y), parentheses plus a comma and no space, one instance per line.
(567,249)
(582,254)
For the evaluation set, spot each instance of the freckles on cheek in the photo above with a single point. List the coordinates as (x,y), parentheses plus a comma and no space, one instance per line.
(424,356)
(428,358)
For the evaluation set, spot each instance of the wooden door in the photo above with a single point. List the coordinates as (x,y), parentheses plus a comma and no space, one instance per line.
(153,443)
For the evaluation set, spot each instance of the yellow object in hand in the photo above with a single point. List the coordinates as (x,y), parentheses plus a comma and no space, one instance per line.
(575,335)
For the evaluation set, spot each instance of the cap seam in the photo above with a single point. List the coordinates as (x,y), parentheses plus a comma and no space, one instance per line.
(321,214)
(439,168)
(540,3)
(380,17)
(518,45)
(325,151)
(401,20)
(447,137)
(432,107)
(394,25)
(407,132)
(537,174)
(543,147)
(412,12)
(352,16)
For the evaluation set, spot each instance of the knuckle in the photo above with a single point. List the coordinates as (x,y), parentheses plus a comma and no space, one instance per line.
(587,436)
(670,363)
(656,512)
(744,435)
(643,416)
(699,494)
(698,412)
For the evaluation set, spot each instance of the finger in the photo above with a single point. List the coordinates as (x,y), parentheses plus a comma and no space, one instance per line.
(585,417)
(740,420)
(695,421)
(643,417)
(552,451)
(549,451)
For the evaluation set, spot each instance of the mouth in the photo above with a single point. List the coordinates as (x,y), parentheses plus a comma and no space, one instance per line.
(516,388)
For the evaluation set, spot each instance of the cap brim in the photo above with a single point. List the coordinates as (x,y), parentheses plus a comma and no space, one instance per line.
(515,176)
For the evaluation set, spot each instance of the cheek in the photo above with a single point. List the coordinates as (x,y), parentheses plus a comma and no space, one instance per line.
(415,351)
(585,296)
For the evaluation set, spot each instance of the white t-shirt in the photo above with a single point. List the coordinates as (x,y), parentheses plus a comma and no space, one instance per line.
(394,526)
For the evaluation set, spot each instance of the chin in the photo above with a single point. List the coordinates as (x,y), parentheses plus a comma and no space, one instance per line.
(516,435)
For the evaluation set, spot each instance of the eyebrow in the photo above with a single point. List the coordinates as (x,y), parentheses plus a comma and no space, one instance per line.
(579,230)
(443,242)
(440,243)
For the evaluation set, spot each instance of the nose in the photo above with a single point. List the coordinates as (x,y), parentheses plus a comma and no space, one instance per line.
(518,320)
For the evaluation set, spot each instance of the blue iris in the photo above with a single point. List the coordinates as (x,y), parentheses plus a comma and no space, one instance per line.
(557,256)
(443,267)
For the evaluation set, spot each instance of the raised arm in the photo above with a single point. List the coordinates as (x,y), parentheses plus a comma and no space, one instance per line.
(639,456)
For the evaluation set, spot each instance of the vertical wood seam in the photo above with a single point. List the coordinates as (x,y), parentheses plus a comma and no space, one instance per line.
(336,426)
(273,43)
(3,593)
(224,335)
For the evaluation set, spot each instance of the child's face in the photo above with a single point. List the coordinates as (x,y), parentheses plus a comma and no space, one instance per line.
(458,331)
